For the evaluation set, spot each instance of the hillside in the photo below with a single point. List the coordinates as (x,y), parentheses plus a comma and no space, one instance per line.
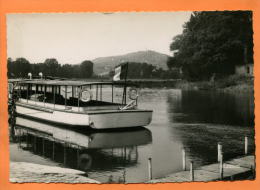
(105,64)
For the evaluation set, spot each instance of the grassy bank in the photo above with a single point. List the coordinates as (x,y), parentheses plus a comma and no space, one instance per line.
(233,83)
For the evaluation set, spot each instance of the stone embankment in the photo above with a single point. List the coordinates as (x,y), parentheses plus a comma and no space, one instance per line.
(23,172)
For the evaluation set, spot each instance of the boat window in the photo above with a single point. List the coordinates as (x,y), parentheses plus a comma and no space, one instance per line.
(82,96)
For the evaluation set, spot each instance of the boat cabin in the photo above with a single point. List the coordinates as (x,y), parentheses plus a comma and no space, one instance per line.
(77,96)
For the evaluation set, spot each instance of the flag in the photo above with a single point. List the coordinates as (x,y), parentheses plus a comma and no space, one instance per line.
(120,72)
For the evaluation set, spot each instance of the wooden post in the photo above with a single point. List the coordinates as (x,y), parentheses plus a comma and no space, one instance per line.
(27,142)
(124,154)
(101,92)
(27,93)
(44,95)
(35,95)
(54,93)
(112,93)
(219,151)
(43,147)
(246,145)
(97,92)
(78,157)
(65,97)
(150,168)
(183,159)
(65,155)
(221,167)
(53,150)
(191,171)
(78,97)
(34,143)
(136,153)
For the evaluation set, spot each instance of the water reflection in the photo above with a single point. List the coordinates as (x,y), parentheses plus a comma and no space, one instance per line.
(79,149)
(201,119)
(212,107)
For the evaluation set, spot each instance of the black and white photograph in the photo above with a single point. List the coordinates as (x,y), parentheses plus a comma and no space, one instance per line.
(131,97)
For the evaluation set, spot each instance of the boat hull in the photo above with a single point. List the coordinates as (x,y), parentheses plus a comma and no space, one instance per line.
(107,119)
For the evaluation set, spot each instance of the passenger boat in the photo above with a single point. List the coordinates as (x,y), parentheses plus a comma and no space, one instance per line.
(99,105)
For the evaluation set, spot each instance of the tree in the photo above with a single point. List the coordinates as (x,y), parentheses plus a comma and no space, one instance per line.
(213,42)
(18,68)
(10,68)
(86,69)
(51,67)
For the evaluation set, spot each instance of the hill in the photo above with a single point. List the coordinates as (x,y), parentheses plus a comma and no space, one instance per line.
(106,64)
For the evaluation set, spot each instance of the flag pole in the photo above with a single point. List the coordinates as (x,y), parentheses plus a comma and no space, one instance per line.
(124,93)
(126,79)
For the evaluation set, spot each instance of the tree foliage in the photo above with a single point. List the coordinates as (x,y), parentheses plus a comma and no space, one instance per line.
(138,70)
(50,67)
(213,42)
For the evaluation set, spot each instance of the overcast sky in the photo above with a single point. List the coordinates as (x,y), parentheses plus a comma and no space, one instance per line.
(74,37)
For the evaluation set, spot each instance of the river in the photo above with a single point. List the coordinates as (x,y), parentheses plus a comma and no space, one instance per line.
(194,120)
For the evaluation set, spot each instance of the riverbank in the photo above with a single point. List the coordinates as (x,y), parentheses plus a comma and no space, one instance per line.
(24,172)
(233,83)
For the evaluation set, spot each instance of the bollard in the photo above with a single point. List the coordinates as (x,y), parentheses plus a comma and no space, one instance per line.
(221,167)
(246,145)
(219,151)
(183,159)
(150,168)
(191,171)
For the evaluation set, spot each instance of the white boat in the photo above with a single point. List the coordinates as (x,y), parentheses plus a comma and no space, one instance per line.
(80,103)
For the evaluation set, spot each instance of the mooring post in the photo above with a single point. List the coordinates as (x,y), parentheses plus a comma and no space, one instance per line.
(78,157)
(43,147)
(34,143)
(221,167)
(150,168)
(53,150)
(191,171)
(219,151)
(183,159)
(246,145)
(27,141)
(65,155)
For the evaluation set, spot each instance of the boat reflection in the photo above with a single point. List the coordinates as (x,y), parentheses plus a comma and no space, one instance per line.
(83,150)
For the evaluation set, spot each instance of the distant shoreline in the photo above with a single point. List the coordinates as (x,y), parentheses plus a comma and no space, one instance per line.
(233,83)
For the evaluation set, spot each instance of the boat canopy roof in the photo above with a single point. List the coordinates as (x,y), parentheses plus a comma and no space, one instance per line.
(69,82)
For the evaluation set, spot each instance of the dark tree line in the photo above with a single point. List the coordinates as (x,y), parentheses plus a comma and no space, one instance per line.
(21,67)
(213,43)
(138,70)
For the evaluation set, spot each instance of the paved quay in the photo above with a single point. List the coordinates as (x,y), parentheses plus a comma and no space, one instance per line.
(238,168)
(23,172)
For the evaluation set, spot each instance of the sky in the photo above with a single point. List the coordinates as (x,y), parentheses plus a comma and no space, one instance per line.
(75,37)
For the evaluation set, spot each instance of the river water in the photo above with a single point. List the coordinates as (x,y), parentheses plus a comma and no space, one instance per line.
(194,120)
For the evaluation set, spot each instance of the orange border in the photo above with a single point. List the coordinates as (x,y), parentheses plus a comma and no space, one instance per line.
(26,6)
